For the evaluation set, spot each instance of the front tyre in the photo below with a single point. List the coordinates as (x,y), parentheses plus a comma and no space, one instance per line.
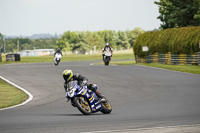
(106,107)
(55,62)
(82,105)
(107,61)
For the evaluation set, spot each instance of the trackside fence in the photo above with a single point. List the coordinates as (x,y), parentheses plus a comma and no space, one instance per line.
(169,58)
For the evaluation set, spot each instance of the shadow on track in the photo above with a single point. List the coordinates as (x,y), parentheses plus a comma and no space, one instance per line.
(72,114)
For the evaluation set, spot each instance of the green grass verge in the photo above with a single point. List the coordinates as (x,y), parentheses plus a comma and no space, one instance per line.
(67,58)
(127,62)
(10,95)
(130,62)
(186,68)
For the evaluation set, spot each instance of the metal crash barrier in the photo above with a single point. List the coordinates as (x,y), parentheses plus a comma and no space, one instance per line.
(168,58)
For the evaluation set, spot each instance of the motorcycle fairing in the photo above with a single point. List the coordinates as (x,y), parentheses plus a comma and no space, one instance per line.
(75,89)
(93,99)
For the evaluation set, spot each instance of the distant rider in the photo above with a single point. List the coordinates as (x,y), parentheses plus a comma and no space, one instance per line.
(107,48)
(69,76)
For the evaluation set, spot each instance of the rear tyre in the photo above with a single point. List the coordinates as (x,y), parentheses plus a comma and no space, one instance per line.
(82,105)
(106,107)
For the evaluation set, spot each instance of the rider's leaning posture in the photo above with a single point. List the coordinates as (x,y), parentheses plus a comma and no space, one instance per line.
(69,76)
(107,48)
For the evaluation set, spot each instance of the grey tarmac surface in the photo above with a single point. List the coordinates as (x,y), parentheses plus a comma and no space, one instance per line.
(141,98)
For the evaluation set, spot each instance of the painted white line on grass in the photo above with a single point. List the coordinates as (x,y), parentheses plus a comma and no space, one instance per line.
(30,96)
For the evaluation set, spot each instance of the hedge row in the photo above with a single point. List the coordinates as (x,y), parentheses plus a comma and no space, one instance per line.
(177,41)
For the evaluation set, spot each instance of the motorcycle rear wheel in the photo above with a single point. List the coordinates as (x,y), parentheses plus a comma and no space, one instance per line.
(82,105)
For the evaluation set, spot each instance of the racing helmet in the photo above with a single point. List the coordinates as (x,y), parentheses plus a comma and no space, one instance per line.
(67,75)
(58,50)
(107,44)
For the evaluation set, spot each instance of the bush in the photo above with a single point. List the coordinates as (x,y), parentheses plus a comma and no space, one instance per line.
(177,41)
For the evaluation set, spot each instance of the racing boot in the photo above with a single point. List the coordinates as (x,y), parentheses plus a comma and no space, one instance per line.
(101,97)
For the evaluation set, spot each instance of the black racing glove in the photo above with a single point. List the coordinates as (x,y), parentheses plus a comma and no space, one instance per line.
(84,82)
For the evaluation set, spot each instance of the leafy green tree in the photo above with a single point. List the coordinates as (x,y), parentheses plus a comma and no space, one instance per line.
(94,39)
(67,41)
(133,35)
(85,41)
(82,44)
(63,44)
(179,13)
(11,47)
(123,40)
(110,37)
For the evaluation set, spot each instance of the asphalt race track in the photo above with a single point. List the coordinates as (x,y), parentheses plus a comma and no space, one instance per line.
(141,97)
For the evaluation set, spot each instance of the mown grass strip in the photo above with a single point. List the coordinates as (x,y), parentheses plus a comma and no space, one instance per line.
(181,68)
(126,62)
(68,58)
(10,95)
(131,62)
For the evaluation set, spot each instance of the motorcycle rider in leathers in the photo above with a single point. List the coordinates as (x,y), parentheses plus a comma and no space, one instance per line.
(107,48)
(69,76)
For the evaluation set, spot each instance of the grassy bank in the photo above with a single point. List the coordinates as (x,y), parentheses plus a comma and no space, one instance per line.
(181,68)
(9,95)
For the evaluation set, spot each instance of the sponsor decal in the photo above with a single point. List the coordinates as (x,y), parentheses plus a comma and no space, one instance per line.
(92,100)
(98,106)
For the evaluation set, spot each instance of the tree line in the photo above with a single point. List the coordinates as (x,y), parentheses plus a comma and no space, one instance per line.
(18,44)
(84,41)
(77,41)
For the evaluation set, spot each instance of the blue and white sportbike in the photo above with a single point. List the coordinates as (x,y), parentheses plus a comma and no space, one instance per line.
(86,100)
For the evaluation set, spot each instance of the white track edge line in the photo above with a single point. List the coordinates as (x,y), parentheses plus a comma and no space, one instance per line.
(30,96)
(140,129)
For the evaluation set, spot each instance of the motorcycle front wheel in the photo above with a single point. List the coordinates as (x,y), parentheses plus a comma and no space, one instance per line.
(106,107)
(107,60)
(82,105)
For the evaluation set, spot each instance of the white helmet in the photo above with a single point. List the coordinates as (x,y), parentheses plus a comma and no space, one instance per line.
(107,44)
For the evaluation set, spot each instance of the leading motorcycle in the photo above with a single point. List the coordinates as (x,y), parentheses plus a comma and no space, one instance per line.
(86,100)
